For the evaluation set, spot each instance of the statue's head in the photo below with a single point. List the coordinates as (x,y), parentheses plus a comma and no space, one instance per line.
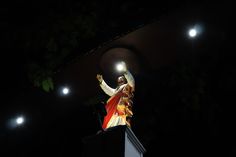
(121,80)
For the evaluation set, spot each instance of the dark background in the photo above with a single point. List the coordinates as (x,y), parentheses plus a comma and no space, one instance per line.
(184,108)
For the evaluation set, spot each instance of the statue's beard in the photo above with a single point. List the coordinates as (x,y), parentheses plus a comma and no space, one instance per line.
(120,83)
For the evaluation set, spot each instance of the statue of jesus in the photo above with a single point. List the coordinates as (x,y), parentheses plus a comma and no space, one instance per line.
(119,105)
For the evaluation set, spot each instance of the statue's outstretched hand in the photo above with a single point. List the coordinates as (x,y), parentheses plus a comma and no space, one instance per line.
(99,77)
(124,67)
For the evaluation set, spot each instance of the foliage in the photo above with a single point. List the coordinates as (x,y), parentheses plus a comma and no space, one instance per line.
(53,40)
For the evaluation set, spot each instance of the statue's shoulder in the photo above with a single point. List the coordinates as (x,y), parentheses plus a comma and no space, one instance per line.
(128,88)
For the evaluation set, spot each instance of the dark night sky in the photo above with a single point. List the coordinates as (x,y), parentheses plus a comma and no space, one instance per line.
(185,92)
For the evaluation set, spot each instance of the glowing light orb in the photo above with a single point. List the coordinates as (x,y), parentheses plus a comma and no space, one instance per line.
(65,90)
(20,120)
(192,33)
(120,66)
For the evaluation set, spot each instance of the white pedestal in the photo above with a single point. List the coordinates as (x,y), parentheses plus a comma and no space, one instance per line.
(119,141)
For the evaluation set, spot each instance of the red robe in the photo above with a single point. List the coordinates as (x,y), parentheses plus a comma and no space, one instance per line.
(111,108)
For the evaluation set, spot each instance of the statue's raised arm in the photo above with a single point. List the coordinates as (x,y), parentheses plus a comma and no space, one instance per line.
(107,89)
(130,79)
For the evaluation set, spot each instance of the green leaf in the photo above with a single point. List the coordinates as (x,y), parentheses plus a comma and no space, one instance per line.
(51,86)
(47,84)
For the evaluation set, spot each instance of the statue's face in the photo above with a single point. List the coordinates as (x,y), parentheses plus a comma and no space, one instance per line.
(121,80)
